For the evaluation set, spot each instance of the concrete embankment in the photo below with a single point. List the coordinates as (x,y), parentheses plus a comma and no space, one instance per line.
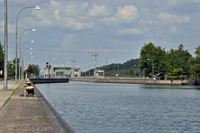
(30,114)
(139,81)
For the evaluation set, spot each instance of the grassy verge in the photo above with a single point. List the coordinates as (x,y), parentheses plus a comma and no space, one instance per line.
(10,96)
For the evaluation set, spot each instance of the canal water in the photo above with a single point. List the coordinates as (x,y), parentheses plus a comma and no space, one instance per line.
(125,108)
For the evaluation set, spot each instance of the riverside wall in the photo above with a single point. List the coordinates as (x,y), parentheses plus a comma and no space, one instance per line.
(139,81)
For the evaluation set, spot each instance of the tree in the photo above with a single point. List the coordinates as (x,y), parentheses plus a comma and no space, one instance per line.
(176,73)
(124,69)
(147,52)
(161,62)
(132,72)
(197,52)
(33,69)
(153,59)
(194,63)
(11,68)
(179,59)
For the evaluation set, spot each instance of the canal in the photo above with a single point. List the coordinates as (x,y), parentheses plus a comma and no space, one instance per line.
(125,108)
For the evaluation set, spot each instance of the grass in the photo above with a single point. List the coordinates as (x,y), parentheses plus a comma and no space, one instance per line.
(42,116)
(10,96)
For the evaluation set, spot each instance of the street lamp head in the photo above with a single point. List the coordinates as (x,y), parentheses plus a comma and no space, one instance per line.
(32,41)
(38,8)
(31,48)
(30,53)
(33,29)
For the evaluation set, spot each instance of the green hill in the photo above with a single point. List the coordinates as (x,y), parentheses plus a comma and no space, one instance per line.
(128,68)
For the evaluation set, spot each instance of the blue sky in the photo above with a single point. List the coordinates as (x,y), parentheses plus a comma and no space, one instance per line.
(68,29)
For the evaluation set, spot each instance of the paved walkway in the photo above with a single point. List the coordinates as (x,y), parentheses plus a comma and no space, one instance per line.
(23,114)
(5,94)
(29,114)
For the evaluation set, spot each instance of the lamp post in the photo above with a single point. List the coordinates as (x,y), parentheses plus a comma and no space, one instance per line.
(118,69)
(28,57)
(5,45)
(20,62)
(27,49)
(152,68)
(89,69)
(81,69)
(26,63)
(26,54)
(95,54)
(85,70)
(67,62)
(36,8)
(51,59)
(94,69)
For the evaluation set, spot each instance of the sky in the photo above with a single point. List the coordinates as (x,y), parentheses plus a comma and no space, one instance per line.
(116,30)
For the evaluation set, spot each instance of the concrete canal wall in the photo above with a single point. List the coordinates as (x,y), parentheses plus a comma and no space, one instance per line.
(138,81)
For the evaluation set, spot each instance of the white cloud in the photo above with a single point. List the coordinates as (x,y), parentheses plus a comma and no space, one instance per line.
(167,18)
(65,15)
(99,10)
(11,28)
(174,30)
(76,25)
(134,31)
(145,22)
(127,14)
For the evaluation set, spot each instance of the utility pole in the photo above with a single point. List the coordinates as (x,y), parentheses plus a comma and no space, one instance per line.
(95,54)
(5,45)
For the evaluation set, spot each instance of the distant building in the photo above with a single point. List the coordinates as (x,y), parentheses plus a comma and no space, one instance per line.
(99,73)
(60,70)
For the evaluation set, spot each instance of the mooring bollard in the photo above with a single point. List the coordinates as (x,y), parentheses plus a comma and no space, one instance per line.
(30,90)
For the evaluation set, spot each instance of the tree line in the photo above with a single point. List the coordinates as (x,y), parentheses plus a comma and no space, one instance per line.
(126,69)
(154,60)
(33,69)
(173,64)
